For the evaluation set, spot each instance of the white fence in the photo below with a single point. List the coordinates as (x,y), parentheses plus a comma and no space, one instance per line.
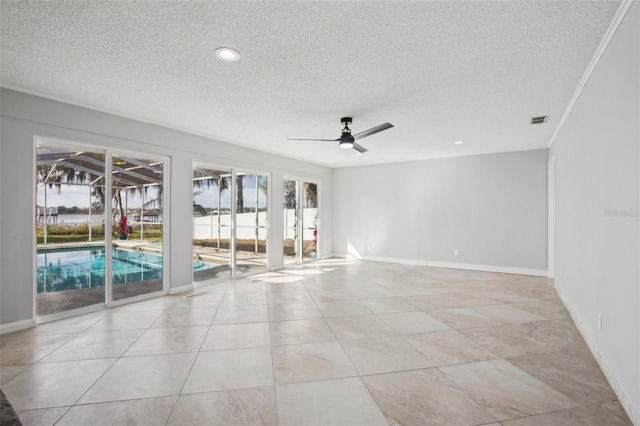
(206,227)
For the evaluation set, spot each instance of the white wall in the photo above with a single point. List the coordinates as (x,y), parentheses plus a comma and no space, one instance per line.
(597,242)
(25,116)
(491,208)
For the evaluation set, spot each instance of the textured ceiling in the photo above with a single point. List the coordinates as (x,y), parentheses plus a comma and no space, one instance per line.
(438,71)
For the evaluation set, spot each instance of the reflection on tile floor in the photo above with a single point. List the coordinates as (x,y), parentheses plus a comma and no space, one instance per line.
(335,342)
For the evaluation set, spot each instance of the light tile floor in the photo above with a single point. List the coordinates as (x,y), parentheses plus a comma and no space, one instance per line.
(335,342)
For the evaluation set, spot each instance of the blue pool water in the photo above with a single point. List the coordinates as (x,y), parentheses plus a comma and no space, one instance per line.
(77,268)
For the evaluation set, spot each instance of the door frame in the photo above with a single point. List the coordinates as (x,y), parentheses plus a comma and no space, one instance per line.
(300,181)
(551,219)
(234,200)
(108,241)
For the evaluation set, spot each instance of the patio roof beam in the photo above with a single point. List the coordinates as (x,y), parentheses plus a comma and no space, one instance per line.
(119,179)
(123,184)
(139,176)
(81,168)
(140,163)
(206,174)
(126,183)
(52,157)
(123,171)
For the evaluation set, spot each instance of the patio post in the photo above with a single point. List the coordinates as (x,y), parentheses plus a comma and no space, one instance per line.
(257,218)
(210,224)
(46,265)
(89,214)
(142,214)
(219,195)
(46,218)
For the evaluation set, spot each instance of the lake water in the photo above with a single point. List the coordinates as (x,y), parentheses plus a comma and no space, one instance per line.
(77,218)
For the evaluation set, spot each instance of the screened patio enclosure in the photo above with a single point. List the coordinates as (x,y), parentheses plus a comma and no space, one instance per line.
(76,267)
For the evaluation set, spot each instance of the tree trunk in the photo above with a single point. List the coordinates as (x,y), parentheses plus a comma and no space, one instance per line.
(119,200)
(240,204)
(118,197)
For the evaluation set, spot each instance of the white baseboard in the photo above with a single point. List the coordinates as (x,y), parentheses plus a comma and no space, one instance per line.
(489,268)
(17,326)
(135,299)
(634,416)
(415,262)
(470,267)
(70,313)
(181,289)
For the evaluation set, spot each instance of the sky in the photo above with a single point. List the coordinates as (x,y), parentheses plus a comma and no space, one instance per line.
(208,197)
(76,195)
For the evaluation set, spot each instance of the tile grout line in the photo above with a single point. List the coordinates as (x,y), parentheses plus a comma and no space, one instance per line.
(195,358)
(341,344)
(108,369)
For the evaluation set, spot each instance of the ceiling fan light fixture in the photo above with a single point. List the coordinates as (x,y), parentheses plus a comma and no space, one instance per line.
(227,54)
(347,140)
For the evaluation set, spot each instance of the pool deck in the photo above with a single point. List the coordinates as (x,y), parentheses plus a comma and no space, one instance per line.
(41,248)
(206,254)
(50,303)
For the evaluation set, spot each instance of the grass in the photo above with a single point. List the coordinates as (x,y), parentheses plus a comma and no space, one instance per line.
(77,233)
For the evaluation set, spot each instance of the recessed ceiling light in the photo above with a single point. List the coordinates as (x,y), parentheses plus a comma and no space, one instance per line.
(227,54)
(458,142)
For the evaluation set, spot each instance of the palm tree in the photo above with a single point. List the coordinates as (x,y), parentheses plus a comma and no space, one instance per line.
(290,194)
(55,175)
(223,184)
(240,194)
(264,186)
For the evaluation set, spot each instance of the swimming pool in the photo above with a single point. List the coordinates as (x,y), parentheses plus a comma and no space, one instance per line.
(76,268)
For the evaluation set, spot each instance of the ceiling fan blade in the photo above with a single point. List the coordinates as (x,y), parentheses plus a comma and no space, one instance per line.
(321,140)
(361,149)
(373,131)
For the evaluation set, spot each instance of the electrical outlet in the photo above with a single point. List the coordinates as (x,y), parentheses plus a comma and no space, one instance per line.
(455,252)
(599,320)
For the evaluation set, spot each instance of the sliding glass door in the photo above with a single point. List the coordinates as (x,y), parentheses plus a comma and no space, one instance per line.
(99,234)
(301,221)
(211,223)
(309,220)
(69,225)
(137,217)
(230,222)
(291,246)
(251,219)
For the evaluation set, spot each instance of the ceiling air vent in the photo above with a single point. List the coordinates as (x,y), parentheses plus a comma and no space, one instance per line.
(539,120)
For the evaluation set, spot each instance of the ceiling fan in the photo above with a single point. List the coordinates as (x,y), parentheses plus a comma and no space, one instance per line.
(347,140)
